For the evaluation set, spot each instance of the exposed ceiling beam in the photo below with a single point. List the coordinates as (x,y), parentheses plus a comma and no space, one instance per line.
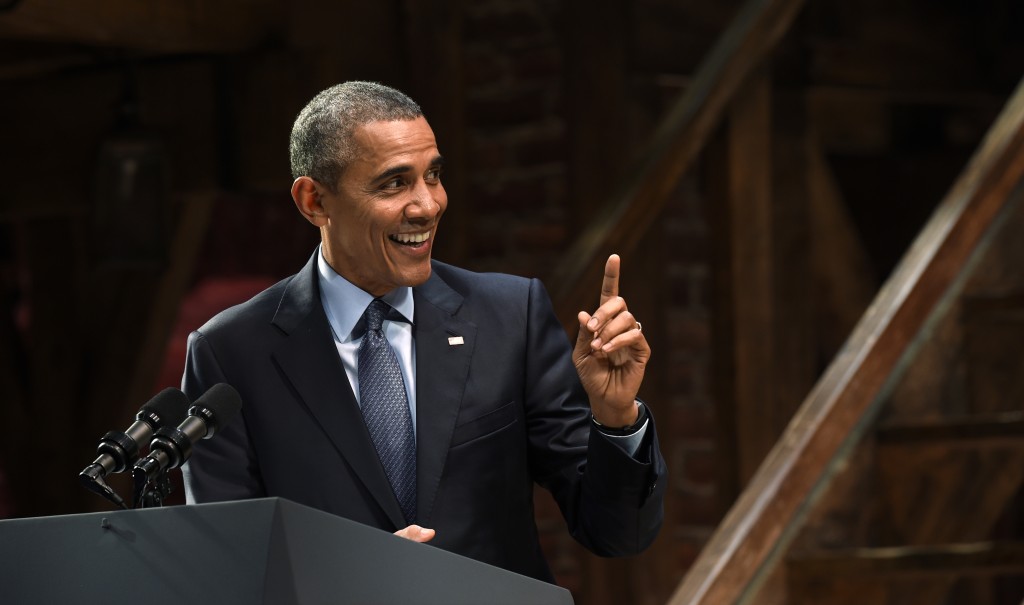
(171,26)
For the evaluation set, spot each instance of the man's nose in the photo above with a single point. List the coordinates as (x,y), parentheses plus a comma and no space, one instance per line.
(423,205)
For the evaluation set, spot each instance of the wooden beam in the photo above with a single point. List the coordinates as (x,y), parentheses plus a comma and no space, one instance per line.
(164,26)
(752,270)
(841,405)
(941,561)
(624,219)
(838,257)
(991,431)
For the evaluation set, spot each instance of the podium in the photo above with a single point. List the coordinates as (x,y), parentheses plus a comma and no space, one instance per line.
(269,551)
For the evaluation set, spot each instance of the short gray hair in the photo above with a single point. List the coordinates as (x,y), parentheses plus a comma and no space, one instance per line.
(321,145)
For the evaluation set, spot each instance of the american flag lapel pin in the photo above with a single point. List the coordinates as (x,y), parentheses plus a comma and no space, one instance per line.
(455,341)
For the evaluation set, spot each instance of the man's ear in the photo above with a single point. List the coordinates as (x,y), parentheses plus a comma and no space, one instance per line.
(306,195)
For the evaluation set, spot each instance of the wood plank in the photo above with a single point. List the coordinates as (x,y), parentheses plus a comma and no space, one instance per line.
(838,257)
(990,431)
(624,219)
(160,26)
(752,269)
(843,402)
(935,561)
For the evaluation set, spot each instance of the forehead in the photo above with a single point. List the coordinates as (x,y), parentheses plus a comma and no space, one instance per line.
(384,142)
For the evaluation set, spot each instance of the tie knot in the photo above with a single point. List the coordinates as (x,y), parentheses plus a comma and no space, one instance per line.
(375,314)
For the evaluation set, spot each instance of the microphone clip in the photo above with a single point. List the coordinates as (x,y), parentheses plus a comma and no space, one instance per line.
(150,491)
(169,449)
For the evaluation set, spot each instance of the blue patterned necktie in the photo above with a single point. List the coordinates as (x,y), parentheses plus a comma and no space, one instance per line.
(386,409)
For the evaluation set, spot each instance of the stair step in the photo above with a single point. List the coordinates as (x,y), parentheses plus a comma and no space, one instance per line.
(965,559)
(995,430)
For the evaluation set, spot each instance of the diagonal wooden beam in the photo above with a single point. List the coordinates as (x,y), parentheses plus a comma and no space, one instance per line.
(624,220)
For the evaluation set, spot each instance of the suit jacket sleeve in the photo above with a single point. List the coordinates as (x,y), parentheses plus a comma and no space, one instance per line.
(611,501)
(227,468)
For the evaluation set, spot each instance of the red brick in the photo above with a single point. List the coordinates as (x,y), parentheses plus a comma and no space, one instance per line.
(509,106)
(689,245)
(545,148)
(690,422)
(487,241)
(544,235)
(511,197)
(681,378)
(544,61)
(699,467)
(694,509)
(496,27)
(483,66)
(680,290)
(690,332)
(488,154)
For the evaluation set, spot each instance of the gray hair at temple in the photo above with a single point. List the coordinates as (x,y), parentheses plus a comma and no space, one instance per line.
(321,145)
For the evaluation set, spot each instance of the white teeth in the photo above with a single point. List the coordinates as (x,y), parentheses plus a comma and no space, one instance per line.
(411,238)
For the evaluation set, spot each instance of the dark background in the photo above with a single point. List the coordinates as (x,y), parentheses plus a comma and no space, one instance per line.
(144,186)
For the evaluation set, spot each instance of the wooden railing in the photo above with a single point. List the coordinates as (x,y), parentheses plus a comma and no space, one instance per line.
(677,141)
(758,528)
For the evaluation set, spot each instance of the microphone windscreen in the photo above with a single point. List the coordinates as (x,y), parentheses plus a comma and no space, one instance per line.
(169,406)
(221,401)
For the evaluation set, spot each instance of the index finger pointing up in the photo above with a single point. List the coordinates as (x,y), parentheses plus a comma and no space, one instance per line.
(610,283)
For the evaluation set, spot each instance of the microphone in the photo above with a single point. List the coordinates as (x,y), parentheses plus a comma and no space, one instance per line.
(117,450)
(171,447)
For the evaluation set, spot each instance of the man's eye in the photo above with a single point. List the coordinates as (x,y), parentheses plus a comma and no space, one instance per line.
(433,175)
(394,183)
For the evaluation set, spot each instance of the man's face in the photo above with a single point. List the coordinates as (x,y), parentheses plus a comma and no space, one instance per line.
(380,224)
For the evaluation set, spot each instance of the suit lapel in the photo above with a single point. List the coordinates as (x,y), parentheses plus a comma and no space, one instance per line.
(442,368)
(309,359)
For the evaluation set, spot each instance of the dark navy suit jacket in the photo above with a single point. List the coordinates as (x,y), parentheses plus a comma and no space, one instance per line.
(495,414)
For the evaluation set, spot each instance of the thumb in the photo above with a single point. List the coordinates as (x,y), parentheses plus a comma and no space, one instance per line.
(416,533)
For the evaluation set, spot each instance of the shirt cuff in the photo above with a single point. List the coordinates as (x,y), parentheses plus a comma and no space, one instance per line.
(628,438)
(629,443)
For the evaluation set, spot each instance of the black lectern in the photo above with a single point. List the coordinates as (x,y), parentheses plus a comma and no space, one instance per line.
(269,551)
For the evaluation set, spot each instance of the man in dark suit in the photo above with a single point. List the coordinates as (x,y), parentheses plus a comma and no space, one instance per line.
(492,399)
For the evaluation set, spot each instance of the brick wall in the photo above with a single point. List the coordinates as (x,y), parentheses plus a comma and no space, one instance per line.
(516,144)
(515,63)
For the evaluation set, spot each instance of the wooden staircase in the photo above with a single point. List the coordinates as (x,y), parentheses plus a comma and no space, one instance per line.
(889,482)
(940,483)
(899,478)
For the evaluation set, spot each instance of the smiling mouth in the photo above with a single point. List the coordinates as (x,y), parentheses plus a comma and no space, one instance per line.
(410,239)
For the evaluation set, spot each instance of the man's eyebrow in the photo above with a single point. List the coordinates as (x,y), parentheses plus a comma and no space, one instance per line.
(393,171)
(404,168)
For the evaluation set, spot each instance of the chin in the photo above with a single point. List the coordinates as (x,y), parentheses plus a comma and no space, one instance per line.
(417,278)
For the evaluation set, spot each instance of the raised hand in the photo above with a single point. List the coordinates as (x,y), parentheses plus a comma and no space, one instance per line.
(611,354)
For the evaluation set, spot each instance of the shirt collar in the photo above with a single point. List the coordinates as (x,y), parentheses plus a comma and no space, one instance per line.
(344,302)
